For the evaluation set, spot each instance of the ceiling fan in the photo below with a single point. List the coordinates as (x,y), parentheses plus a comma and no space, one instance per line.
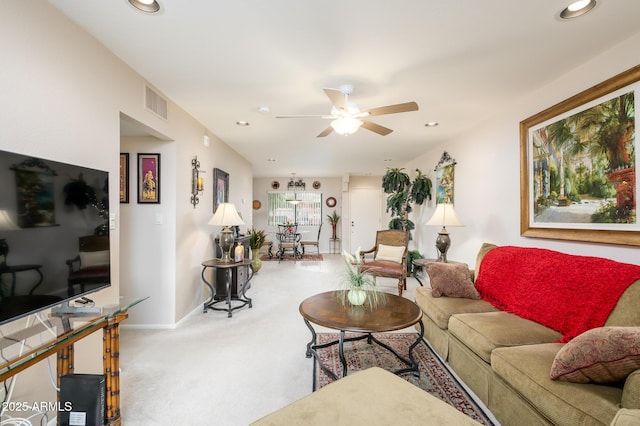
(347,117)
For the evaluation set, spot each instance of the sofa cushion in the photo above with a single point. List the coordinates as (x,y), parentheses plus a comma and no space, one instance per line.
(484,332)
(451,279)
(626,312)
(600,355)
(544,285)
(631,392)
(526,370)
(440,309)
(348,401)
(484,249)
(626,417)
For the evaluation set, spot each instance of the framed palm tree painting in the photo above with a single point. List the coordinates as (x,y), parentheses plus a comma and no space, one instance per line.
(578,177)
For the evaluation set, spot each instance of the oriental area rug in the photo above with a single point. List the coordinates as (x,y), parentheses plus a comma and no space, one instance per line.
(288,257)
(434,378)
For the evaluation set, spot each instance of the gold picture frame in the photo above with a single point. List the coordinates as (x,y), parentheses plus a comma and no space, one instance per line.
(567,139)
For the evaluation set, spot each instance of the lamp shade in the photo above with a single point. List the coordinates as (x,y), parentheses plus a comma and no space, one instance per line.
(346,125)
(6,224)
(444,216)
(226,215)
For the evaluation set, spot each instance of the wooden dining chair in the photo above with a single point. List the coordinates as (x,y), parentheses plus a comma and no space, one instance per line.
(288,239)
(315,242)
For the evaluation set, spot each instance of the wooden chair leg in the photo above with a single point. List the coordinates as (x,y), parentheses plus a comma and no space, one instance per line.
(400,287)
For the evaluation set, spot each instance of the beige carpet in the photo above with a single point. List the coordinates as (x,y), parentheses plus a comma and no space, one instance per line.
(214,370)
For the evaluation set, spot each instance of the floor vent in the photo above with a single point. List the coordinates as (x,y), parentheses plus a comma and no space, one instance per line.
(155,102)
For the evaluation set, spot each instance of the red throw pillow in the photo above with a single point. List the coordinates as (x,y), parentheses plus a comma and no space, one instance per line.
(451,279)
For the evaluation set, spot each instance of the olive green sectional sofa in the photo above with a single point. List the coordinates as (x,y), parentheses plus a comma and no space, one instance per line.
(507,359)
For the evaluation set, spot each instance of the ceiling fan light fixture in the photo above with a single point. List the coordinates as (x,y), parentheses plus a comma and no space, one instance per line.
(346,125)
(149,6)
(577,8)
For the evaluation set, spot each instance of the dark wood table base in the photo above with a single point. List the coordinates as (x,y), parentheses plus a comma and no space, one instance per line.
(241,298)
(312,351)
(394,313)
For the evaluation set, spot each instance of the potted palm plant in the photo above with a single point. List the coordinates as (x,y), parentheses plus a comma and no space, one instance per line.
(403,193)
(256,240)
(333,219)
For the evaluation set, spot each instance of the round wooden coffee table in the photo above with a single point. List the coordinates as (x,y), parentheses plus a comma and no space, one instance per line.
(327,310)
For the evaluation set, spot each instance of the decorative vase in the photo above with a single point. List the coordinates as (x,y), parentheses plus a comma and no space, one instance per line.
(357,296)
(257,263)
(333,229)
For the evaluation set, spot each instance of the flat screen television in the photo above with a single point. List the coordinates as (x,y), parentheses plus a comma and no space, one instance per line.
(47,208)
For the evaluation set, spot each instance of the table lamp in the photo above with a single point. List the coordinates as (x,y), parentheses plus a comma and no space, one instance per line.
(444,215)
(6,224)
(226,216)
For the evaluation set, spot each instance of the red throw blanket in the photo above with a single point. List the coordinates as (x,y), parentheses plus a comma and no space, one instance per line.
(570,294)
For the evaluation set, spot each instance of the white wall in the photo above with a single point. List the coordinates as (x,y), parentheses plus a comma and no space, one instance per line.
(487,174)
(62,96)
(329,187)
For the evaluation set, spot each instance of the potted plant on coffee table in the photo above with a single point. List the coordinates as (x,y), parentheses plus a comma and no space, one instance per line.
(358,287)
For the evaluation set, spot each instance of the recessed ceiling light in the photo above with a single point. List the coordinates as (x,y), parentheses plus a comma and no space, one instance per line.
(271,160)
(577,8)
(431,124)
(149,6)
(388,160)
(242,123)
(264,110)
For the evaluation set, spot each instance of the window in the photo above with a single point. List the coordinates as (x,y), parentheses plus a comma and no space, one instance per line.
(306,213)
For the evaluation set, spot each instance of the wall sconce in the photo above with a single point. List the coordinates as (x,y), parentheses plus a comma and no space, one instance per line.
(197,183)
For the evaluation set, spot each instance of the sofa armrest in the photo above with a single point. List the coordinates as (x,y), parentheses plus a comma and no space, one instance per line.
(626,417)
(631,391)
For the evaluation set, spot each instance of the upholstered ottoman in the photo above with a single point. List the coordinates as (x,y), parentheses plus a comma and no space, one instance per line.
(369,397)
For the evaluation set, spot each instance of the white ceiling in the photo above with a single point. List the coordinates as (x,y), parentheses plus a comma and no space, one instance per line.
(462,61)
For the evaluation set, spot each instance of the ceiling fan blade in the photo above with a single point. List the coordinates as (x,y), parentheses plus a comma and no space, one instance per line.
(376,128)
(325,132)
(305,116)
(392,109)
(337,98)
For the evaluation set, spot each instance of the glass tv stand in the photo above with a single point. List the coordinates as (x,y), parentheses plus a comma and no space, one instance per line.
(56,334)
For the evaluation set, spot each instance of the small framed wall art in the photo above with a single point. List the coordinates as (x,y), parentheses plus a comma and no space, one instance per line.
(124,177)
(148,178)
(221,182)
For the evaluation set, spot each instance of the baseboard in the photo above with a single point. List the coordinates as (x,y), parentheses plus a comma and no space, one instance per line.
(126,325)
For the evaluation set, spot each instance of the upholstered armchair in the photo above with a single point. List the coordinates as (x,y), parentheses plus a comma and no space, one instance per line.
(389,257)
